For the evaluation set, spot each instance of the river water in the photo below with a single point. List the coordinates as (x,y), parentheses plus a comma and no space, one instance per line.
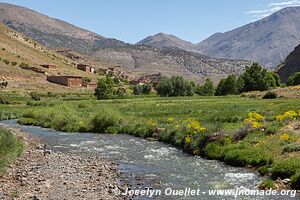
(153,164)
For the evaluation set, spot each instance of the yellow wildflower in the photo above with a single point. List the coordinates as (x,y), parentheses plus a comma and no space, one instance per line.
(284,137)
(187,139)
(170,120)
(177,127)
(254,120)
(289,115)
(151,123)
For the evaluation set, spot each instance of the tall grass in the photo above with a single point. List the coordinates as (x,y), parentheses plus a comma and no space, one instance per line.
(10,148)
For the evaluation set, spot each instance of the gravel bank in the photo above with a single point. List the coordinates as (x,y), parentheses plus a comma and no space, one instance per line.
(58,175)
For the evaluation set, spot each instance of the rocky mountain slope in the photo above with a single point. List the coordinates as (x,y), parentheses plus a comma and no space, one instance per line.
(162,40)
(140,59)
(51,32)
(15,48)
(290,65)
(267,41)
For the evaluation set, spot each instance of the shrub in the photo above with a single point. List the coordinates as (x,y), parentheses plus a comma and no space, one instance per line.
(295,180)
(146,89)
(285,168)
(102,121)
(142,89)
(6,61)
(294,79)
(272,129)
(121,92)
(87,79)
(243,157)
(35,96)
(213,151)
(235,158)
(263,170)
(10,148)
(291,148)
(267,184)
(270,95)
(4,101)
(14,63)
(3,84)
(22,65)
(26,121)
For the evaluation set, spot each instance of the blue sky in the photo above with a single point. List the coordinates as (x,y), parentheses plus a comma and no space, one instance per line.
(133,20)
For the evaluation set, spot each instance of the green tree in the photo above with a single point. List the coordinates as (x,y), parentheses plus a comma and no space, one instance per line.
(137,89)
(175,86)
(165,87)
(294,79)
(257,79)
(146,88)
(229,86)
(142,89)
(104,88)
(207,89)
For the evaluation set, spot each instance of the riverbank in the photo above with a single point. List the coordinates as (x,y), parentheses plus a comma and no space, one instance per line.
(57,175)
(243,132)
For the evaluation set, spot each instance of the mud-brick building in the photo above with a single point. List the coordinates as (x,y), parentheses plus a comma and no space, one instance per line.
(85,68)
(70,81)
(48,66)
(92,85)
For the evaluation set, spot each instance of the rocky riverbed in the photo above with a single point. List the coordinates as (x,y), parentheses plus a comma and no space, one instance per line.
(41,174)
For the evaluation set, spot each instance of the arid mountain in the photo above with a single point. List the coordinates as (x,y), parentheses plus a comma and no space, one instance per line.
(161,40)
(17,48)
(290,65)
(51,32)
(267,41)
(54,33)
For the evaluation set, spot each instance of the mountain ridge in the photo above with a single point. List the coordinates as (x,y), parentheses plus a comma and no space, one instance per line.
(161,40)
(291,65)
(267,41)
(140,59)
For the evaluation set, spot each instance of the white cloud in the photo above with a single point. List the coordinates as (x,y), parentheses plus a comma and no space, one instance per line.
(273,7)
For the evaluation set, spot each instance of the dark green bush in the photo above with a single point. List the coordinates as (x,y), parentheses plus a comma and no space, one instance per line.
(14,63)
(294,79)
(267,184)
(35,96)
(295,180)
(291,148)
(272,129)
(23,65)
(263,170)
(270,95)
(213,151)
(285,168)
(243,157)
(6,61)
(102,121)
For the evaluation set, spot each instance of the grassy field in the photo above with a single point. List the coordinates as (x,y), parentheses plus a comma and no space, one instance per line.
(258,133)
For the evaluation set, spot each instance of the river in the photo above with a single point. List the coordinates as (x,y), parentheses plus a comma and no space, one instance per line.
(153,164)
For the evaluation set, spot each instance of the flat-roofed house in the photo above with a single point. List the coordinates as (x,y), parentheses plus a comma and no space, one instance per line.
(70,81)
(48,66)
(85,68)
